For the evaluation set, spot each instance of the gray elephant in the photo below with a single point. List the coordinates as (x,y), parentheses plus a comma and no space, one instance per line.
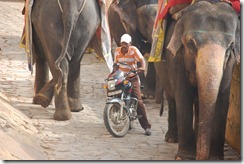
(61,32)
(136,17)
(202,49)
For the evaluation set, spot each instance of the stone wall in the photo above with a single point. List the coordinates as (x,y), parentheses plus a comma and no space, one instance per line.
(233,124)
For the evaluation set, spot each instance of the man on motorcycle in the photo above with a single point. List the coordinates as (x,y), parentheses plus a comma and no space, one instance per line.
(130,55)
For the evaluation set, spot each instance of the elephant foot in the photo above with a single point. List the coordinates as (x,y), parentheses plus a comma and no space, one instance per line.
(148,95)
(62,115)
(42,100)
(216,156)
(185,156)
(171,138)
(45,95)
(159,99)
(143,96)
(75,105)
(77,109)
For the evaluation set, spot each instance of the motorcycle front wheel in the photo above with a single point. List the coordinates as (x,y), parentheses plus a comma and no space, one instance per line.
(115,124)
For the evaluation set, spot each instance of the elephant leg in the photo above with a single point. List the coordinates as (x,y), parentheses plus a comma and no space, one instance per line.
(162,105)
(172,134)
(159,92)
(45,95)
(62,111)
(42,74)
(151,82)
(74,89)
(184,98)
(218,133)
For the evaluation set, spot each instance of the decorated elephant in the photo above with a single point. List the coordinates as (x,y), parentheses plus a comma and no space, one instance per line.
(200,50)
(135,17)
(61,32)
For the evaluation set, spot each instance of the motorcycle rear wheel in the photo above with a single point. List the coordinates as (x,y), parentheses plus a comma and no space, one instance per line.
(115,125)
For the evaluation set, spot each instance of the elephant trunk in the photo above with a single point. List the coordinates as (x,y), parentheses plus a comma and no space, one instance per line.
(209,72)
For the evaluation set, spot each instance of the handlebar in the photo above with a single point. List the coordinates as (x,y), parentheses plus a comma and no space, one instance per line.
(131,68)
(135,72)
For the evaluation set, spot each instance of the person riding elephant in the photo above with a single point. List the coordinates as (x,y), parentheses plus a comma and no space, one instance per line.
(200,52)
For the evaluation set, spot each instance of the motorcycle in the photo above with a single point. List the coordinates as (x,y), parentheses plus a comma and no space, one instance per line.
(120,110)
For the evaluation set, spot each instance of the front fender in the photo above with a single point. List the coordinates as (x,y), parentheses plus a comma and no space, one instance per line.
(117,101)
(114,101)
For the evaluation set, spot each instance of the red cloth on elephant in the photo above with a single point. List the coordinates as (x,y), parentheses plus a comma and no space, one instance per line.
(236,5)
(163,10)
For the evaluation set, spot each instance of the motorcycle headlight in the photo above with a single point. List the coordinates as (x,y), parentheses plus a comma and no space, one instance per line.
(111,84)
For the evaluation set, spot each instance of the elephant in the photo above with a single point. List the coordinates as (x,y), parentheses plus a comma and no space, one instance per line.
(61,32)
(201,50)
(136,17)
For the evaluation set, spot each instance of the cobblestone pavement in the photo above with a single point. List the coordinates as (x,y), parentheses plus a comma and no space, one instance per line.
(84,137)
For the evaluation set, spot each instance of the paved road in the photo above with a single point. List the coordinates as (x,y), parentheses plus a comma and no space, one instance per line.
(84,137)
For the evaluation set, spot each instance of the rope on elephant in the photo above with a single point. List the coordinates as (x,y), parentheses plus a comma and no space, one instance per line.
(61,9)
(60,6)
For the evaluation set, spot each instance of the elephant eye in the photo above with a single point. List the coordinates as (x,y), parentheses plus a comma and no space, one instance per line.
(227,53)
(192,47)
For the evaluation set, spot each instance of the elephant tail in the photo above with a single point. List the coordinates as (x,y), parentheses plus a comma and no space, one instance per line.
(66,39)
(69,18)
(162,108)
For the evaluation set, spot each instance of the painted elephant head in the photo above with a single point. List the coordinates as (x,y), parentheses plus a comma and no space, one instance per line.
(207,39)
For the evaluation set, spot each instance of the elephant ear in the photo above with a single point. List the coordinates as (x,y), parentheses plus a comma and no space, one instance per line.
(116,1)
(175,41)
(128,20)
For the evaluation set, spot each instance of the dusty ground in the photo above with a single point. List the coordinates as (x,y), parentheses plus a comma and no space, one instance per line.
(28,131)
